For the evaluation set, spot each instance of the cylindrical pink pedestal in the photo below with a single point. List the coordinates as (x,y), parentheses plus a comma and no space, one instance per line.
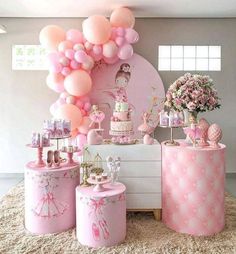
(101,216)
(193,188)
(50,198)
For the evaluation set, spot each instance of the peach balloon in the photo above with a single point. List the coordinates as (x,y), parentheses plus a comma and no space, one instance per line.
(88,65)
(110,49)
(74,133)
(55,81)
(78,83)
(122,17)
(64,45)
(96,29)
(69,112)
(70,99)
(50,36)
(84,126)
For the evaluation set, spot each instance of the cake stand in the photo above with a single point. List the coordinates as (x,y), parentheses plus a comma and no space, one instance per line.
(70,161)
(171,142)
(58,138)
(98,185)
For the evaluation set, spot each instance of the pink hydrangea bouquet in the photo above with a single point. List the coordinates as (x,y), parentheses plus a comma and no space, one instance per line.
(193,92)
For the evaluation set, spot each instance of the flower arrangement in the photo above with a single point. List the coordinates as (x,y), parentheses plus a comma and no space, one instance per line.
(193,92)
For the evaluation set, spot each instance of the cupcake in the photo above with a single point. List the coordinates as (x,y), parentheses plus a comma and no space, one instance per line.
(104,176)
(99,178)
(93,176)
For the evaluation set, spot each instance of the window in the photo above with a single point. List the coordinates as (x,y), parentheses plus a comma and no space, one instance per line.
(189,58)
(29,57)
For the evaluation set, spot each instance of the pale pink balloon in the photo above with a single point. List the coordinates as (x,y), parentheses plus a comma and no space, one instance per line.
(69,53)
(84,126)
(81,140)
(55,81)
(97,49)
(78,83)
(74,65)
(122,17)
(70,99)
(74,35)
(78,46)
(65,71)
(79,104)
(96,29)
(64,95)
(95,56)
(60,102)
(50,36)
(64,45)
(64,61)
(125,52)
(131,35)
(120,31)
(81,56)
(69,112)
(87,106)
(88,46)
(111,60)
(109,49)
(88,65)
(53,62)
(120,40)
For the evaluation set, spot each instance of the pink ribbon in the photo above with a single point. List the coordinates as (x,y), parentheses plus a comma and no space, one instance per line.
(97,205)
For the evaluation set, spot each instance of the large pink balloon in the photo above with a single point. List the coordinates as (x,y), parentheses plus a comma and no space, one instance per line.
(109,49)
(131,35)
(69,112)
(50,36)
(84,126)
(96,29)
(122,17)
(78,83)
(81,56)
(74,35)
(125,52)
(55,81)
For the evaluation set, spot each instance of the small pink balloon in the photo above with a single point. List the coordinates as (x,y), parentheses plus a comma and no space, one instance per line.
(88,45)
(84,126)
(120,31)
(69,53)
(119,41)
(74,35)
(64,61)
(64,45)
(64,95)
(84,99)
(111,60)
(87,106)
(60,102)
(131,35)
(65,71)
(79,104)
(113,34)
(81,140)
(88,65)
(97,49)
(70,100)
(125,52)
(109,49)
(95,57)
(74,65)
(81,56)
(55,81)
(78,46)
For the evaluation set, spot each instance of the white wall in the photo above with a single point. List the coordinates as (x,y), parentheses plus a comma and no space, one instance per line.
(25,98)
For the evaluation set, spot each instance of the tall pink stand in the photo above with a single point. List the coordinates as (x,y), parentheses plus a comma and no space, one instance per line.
(193,188)
(101,216)
(50,198)
(39,162)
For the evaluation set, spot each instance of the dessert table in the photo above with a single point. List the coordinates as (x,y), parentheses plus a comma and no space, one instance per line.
(193,180)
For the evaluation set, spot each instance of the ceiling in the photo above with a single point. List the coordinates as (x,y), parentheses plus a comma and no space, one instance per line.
(141,8)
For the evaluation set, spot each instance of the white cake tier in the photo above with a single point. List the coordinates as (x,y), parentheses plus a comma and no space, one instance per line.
(122,116)
(121,126)
(121,106)
(121,133)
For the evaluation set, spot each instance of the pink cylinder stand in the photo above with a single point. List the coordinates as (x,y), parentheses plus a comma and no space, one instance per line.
(101,216)
(50,198)
(193,188)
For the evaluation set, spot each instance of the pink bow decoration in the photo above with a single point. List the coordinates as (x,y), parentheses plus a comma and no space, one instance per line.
(96,205)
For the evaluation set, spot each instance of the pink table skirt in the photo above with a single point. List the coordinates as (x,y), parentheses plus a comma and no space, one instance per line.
(193,189)
(50,199)
(101,216)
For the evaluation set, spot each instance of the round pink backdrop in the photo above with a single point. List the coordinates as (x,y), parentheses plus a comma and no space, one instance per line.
(145,90)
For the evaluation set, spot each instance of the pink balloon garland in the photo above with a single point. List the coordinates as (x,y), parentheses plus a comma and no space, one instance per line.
(73,56)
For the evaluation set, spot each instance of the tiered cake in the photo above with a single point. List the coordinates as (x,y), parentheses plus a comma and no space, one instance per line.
(121,127)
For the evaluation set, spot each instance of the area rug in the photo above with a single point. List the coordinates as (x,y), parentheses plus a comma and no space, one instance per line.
(144,234)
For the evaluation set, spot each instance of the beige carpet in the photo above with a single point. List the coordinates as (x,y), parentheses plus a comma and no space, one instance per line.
(144,234)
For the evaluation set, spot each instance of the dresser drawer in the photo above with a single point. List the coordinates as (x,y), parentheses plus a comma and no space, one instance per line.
(143,201)
(141,185)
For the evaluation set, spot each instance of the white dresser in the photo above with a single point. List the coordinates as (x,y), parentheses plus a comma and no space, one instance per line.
(140,172)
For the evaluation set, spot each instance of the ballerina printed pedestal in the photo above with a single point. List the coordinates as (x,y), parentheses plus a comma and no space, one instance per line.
(50,198)
(101,216)
(193,188)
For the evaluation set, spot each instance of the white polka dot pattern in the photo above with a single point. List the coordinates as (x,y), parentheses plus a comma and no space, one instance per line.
(193,189)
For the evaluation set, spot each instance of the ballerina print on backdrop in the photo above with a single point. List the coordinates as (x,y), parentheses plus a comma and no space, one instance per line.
(134,80)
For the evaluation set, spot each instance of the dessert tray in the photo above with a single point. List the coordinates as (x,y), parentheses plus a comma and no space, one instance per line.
(98,184)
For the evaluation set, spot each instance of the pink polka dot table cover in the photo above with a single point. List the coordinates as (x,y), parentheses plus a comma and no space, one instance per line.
(50,198)
(101,216)
(193,180)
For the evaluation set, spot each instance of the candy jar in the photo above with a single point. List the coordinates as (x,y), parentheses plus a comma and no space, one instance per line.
(204,126)
(214,135)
